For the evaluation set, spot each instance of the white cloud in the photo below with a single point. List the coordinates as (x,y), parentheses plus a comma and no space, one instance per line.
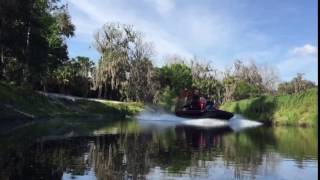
(192,29)
(290,67)
(307,49)
(189,31)
(163,7)
(300,60)
(203,30)
(98,13)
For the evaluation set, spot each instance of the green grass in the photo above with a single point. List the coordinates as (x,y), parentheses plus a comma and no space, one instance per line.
(18,102)
(297,109)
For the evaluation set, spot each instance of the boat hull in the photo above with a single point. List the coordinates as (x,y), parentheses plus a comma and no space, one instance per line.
(216,114)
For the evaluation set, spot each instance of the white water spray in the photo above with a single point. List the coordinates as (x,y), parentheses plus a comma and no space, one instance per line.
(161,118)
(158,118)
(237,123)
(206,122)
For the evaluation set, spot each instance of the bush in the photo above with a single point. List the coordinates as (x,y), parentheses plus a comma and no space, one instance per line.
(167,99)
(296,109)
(175,76)
(79,86)
(245,90)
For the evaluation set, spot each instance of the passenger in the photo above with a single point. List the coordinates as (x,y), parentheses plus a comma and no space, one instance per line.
(185,95)
(203,102)
(195,103)
(209,105)
(189,98)
(180,101)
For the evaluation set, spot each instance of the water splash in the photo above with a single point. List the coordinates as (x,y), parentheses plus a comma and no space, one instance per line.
(158,116)
(238,123)
(206,122)
(161,118)
(158,119)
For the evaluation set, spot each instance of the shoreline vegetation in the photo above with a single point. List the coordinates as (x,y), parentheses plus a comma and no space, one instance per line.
(22,103)
(34,57)
(19,103)
(298,109)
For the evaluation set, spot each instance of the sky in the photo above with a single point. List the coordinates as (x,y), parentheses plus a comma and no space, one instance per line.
(277,34)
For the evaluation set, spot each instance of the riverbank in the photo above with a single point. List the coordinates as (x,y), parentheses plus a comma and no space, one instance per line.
(23,103)
(297,110)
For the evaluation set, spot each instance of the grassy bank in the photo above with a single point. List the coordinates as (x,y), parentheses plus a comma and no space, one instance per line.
(297,109)
(22,103)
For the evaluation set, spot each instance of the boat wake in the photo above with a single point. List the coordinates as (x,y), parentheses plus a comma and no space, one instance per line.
(206,122)
(238,123)
(162,118)
(159,118)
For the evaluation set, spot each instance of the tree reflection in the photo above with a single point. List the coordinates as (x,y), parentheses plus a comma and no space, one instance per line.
(132,154)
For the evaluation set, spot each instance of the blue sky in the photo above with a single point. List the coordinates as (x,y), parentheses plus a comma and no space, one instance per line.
(281,34)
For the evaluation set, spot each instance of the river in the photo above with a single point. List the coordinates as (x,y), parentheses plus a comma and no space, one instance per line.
(157,147)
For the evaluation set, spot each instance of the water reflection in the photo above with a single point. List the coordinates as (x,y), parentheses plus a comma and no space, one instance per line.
(128,150)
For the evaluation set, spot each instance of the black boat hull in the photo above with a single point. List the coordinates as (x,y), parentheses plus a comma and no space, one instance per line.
(216,114)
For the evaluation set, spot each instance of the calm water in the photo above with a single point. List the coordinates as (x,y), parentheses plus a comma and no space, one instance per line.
(150,148)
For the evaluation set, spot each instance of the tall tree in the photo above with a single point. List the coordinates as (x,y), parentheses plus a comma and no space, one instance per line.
(125,68)
(32,38)
(113,43)
(74,76)
(141,73)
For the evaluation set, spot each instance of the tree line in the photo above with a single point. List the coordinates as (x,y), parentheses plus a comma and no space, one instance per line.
(32,44)
(34,53)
